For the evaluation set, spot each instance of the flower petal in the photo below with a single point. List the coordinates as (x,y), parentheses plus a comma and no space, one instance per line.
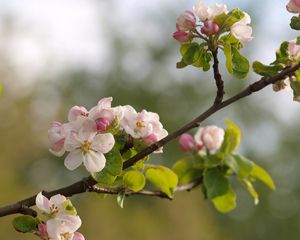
(78,236)
(74,159)
(71,142)
(88,130)
(57,200)
(103,142)
(42,203)
(94,162)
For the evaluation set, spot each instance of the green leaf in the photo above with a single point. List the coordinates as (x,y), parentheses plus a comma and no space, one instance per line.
(225,203)
(186,171)
(134,180)
(163,178)
(282,54)
(266,70)
(239,164)
(225,21)
(25,224)
(295,23)
(113,168)
(261,174)
(70,209)
(232,138)
(295,85)
(181,64)
(215,182)
(120,199)
(251,190)
(236,63)
(190,52)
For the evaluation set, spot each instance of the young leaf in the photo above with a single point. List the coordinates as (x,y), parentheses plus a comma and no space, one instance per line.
(251,190)
(215,182)
(295,85)
(163,178)
(120,199)
(134,180)
(295,23)
(265,70)
(113,168)
(261,174)
(225,203)
(25,224)
(232,138)
(186,171)
(225,21)
(240,165)
(190,52)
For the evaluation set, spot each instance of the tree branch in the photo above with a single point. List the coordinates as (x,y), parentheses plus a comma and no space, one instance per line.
(86,184)
(218,79)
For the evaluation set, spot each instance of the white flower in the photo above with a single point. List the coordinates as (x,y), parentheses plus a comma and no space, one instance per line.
(88,147)
(54,206)
(209,13)
(211,137)
(241,29)
(63,227)
(294,50)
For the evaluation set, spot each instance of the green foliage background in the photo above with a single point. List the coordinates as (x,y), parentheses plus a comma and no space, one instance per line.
(270,138)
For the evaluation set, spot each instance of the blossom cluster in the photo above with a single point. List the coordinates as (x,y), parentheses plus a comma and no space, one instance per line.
(209,138)
(88,135)
(62,221)
(187,24)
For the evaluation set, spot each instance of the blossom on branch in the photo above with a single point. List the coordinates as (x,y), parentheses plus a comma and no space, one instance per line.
(241,29)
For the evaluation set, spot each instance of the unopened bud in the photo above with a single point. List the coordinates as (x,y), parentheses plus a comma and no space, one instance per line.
(209,28)
(102,124)
(187,143)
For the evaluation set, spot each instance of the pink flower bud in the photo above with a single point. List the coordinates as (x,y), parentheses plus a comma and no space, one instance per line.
(209,28)
(78,236)
(42,231)
(293,6)
(102,124)
(56,136)
(294,50)
(183,37)
(187,143)
(211,137)
(186,21)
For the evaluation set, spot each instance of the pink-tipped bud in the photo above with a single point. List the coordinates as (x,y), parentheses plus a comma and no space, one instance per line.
(293,6)
(187,143)
(209,28)
(102,124)
(183,37)
(186,21)
(78,236)
(42,231)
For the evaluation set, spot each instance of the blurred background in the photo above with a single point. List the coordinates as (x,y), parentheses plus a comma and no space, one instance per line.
(58,53)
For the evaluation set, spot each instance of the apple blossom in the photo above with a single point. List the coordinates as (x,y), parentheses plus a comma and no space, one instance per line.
(88,147)
(42,231)
(209,28)
(209,13)
(241,29)
(77,111)
(294,50)
(56,136)
(211,137)
(293,6)
(186,21)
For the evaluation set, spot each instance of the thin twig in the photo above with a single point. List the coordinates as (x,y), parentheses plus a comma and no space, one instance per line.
(86,184)
(218,79)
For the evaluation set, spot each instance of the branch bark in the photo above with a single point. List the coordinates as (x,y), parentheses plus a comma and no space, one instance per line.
(218,79)
(86,184)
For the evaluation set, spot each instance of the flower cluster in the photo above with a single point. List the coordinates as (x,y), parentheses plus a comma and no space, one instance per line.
(61,221)
(88,135)
(209,138)
(186,24)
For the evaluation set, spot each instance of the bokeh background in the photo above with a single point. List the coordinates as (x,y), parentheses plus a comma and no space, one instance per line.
(58,53)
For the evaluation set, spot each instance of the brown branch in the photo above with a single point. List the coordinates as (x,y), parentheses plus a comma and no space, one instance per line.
(86,184)
(218,79)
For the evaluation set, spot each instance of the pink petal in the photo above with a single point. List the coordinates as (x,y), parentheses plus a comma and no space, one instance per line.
(94,162)
(74,159)
(88,130)
(103,142)
(78,236)
(72,142)
(42,203)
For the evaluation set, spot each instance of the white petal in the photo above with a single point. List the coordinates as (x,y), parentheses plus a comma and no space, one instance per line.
(42,203)
(72,142)
(57,200)
(74,159)
(103,142)
(88,130)
(198,136)
(242,32)
(94,162)
(105,103)
(61,225)
(53,228)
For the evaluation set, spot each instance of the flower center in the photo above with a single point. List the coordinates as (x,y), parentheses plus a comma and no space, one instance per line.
(66,236)
(86,146)
(140,124)
(53,209)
